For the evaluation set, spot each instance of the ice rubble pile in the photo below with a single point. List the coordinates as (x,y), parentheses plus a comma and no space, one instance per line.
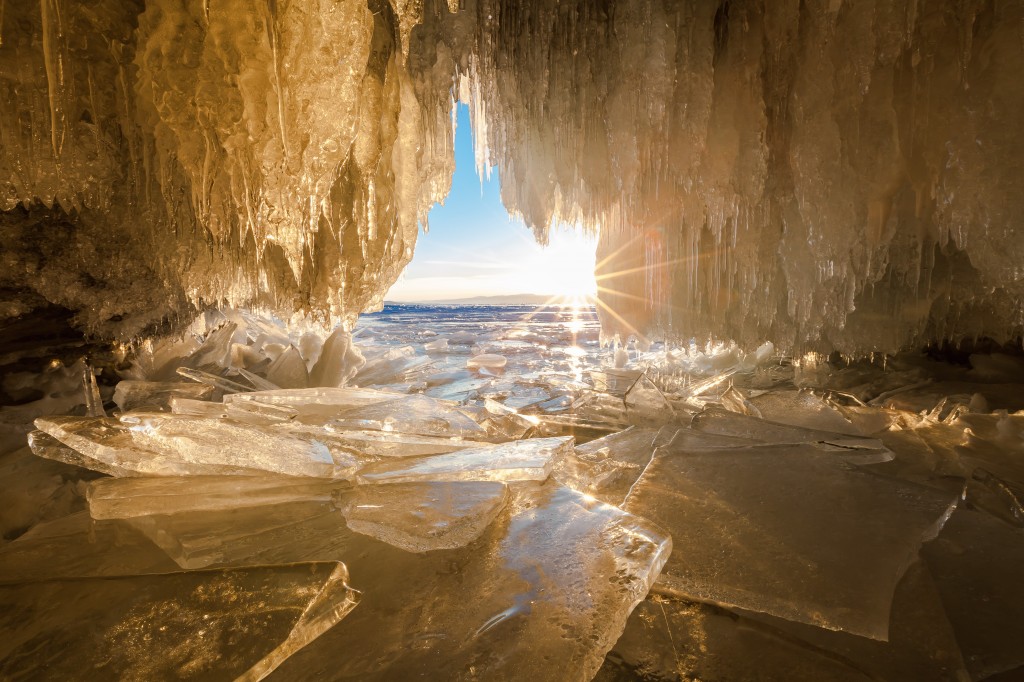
(837,175)
(870,528)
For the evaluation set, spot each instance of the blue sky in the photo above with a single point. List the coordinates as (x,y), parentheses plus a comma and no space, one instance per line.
(474,248)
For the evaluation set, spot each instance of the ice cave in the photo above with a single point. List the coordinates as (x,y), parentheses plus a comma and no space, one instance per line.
(784,440)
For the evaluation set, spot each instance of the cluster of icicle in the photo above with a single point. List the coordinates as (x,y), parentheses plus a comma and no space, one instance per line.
(831,175)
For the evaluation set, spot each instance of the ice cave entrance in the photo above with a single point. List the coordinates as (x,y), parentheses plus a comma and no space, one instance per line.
(475,253)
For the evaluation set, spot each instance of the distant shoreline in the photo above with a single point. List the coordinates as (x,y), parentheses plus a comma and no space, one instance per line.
(512,299)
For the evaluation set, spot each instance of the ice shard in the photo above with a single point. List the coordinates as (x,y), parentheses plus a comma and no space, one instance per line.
(118,498)
(394,444)
(792,531)
(181,445)
(645,403)
(45,445)
(975,561)
(156,395)
(288,370)
(523,460)
(721,422)
(608,467)
(87,548)
(315,405)
(668,637)
(239,623)
(415,414)
(420,517)
(542,594)
(339,361)
(804,409)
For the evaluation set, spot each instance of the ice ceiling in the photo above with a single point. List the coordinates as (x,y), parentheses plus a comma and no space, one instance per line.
(830,175)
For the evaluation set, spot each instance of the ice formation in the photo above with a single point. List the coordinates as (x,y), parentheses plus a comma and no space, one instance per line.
(696,513)
(835,175)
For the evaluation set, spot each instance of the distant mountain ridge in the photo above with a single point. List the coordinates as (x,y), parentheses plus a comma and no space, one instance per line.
(507,299)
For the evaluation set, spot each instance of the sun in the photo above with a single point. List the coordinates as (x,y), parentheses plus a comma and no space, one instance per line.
(565,267)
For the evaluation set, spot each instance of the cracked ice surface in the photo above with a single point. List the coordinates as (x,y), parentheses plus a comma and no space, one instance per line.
(508,530)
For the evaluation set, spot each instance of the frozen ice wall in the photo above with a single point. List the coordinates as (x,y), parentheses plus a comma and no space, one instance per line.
(251,151)
(836,175)
(825,175)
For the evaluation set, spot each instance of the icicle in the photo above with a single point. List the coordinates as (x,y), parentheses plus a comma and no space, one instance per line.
(53,36)
(93,400)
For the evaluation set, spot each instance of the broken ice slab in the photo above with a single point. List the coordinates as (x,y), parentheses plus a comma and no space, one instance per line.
(503,423)
(524,460)
(215,349)
(559,404)
(198,408)
(48,447)
(511,426)
(976,561)
(84,547)
(156,395)
(119,498)
(581,428)
(700,388)
(414,414)
(442,378)
(996,496)
(488,361)
(288,370)
(460,390)
(217,382)
(315,405)
(522,397)
(391,365)
(35,491)
(436,346)
(258,382)
(235,445)
(725,423)
(375,444)
(691,439)
(994,442)
(607,467)
(179,445)
(237,623)
(254,410)
(645,403)
(601,407)
(791,531)
(735,401)
(548,586)
(668,638)
(109,443)
(420,517)
(613,381)
(804,409)
(339,361)
(157,359)
(277,533)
